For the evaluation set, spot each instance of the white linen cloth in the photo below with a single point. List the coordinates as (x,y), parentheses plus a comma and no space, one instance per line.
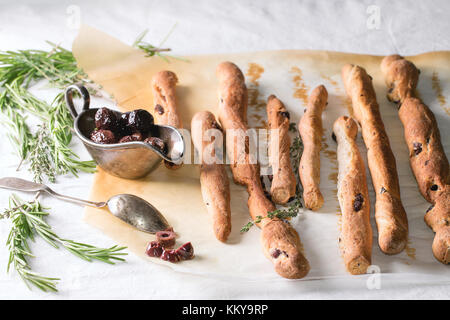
(404,27)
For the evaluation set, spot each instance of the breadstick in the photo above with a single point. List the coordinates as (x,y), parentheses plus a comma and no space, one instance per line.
(311,131)
(390,215)
(426,153)
(283,182)
(281,243)
(163,87)
(356,235)
(213,177)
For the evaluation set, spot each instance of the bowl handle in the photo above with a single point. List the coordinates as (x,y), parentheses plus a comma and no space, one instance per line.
(69,98)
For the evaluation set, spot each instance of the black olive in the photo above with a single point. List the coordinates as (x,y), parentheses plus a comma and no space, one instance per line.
(103,136)
(137,121)
(186,251)
(417,147)
(276,253)
(333,136)
(106,119)
(137,136)
(157,143)
(430,208)
(159,109)
(285,114)
(358,202)
(434,187)
(383,190)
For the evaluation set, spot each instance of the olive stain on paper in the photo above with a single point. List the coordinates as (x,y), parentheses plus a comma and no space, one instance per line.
(436,84)
(300,88)
(257,105)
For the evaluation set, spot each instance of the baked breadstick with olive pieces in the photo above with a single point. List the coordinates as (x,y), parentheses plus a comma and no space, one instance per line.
(390,215)
(283,182)
(281,243)
(213,177)
(356,235)
(426,153)
(311,131)
(163,88)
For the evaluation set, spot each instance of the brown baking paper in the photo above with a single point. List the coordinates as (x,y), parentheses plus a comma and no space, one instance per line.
(125,73)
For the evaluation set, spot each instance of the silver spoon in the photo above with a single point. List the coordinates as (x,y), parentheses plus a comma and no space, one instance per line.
(127,207)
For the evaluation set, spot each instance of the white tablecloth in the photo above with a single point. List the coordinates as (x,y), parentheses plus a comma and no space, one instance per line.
(404,27)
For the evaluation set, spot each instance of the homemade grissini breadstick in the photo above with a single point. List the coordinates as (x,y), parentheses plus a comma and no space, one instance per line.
(426,153)
(311,131)
(213,177)
(390,215)
(283,182)
(281,243)
(164,96)
(356,235)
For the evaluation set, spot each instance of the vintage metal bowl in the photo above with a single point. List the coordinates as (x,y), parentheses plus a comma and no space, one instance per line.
(129,160)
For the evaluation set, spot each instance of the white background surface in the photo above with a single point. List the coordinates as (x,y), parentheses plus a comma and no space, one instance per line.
(406,27)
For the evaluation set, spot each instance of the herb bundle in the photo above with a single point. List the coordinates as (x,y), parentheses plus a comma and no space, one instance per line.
(28,220)
(47,149)
(294,205)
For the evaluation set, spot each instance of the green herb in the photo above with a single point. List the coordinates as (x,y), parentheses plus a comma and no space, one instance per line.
(23,67)
(47,150)
(28,220)
(152,50)
(294,205)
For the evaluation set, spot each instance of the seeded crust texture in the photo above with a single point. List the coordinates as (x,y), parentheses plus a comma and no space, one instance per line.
(390,215)
(356,235)
(165,103)
(281,243)
(213,177)
(426,153)
(283,182)
(311,131)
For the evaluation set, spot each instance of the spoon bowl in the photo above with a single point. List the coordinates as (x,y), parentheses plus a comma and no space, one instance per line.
(137,212)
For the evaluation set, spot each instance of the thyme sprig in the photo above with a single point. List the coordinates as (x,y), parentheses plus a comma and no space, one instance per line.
(295,204)
(28,220)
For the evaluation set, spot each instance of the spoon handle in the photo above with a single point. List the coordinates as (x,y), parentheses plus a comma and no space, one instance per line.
(20,184)
(75,200)
(25,185)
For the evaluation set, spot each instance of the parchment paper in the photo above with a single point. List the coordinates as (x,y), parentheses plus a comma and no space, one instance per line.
(125,73)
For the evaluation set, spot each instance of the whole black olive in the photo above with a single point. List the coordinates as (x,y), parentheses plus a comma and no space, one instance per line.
(103,136)
(106,119)
(138,121)
(137,136)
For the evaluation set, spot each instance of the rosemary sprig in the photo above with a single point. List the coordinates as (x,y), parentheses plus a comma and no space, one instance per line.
(152,50)
(47,150)
(294,205)
(27,221)
(58,66)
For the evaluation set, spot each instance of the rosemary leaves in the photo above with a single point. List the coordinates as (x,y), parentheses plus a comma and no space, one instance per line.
(28,220)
